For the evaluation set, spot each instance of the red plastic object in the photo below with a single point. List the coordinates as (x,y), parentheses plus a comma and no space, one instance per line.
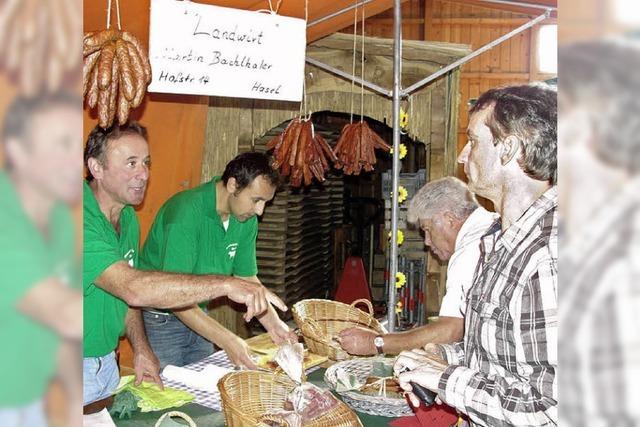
(353,283)
(432,416)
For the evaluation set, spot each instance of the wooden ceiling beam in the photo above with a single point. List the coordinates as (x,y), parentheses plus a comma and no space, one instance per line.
(511,8)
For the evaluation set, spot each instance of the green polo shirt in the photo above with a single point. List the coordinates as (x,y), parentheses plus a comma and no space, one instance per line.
(187,236)
(104,313)
(27,258)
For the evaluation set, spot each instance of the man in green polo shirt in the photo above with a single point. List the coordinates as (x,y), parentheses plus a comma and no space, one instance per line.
(210,229)
(40,311)
(117,161)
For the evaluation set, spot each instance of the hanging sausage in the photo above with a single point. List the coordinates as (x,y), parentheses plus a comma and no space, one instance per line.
(356,146)
(301,153)
(115,75)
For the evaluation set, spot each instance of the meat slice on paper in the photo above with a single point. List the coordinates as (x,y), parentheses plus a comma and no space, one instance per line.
(290,357)
(303,404)
(306,401)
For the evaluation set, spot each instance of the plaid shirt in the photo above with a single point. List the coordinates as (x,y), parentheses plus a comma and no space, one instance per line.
(600,315)
(505,371)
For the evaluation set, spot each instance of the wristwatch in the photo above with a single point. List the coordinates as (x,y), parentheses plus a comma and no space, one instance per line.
(379,343)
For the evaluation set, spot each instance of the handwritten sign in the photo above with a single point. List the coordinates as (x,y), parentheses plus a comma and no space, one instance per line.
(202,49)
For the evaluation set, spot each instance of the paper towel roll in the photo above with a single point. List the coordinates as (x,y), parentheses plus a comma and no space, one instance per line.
(206,380)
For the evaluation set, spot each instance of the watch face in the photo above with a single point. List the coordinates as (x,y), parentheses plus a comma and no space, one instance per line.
(378,342)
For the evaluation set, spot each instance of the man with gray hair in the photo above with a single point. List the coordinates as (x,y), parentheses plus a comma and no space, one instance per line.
(452,222)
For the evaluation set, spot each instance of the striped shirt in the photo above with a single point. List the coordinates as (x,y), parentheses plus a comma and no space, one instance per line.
(600,315)
(505,371)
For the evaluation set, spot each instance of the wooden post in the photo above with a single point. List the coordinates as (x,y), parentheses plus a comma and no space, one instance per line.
(533,53)
(451,124)
(428,19)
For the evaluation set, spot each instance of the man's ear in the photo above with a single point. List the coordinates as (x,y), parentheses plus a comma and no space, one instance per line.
(95,167)
(15,151)
(510,146)
(232,185)
(450,218)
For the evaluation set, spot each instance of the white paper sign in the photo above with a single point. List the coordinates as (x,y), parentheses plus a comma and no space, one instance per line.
(210,50)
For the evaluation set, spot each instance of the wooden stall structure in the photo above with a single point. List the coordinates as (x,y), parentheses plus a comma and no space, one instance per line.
(183,137)
(237,125)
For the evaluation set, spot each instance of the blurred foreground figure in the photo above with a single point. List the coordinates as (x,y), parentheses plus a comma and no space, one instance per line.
(599,156)
(40,301)
(39,46)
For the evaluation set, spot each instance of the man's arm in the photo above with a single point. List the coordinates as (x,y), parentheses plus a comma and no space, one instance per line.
(173,290)
(69,373)
(277,329)
(359,341)
(145,362)
(56,306)
(207,327)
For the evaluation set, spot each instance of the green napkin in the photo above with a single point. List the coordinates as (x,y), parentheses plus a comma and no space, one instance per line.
(124,405)
(152,398)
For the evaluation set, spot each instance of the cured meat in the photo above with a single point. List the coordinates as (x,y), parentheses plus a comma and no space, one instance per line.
(355,149)
(116,73)
(301,153)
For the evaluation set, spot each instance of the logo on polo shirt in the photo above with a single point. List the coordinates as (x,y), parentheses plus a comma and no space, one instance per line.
(129,257)
(231,250)
(62,271)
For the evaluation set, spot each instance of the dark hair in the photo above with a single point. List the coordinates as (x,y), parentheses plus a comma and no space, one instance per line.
(17,120)
(529,112)
(246,167)
(98,141)
(602,78)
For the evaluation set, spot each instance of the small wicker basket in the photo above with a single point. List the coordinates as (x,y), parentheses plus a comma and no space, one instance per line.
(385,405)
(321,320)
(247,396)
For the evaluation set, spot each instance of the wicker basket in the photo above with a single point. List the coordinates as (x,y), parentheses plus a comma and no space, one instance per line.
(248,395)
(386,406)
(321,320)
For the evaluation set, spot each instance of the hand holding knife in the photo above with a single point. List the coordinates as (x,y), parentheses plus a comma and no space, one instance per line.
(418,372)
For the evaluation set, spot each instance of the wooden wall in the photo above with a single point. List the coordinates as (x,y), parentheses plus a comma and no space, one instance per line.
(588,19)
(511,62)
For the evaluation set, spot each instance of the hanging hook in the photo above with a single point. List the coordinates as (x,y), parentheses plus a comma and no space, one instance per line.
(353,59)
(274,11)
(117,14)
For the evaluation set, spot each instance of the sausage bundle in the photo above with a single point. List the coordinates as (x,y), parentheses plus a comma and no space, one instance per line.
(301,152)
(115,75)
(356,146)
